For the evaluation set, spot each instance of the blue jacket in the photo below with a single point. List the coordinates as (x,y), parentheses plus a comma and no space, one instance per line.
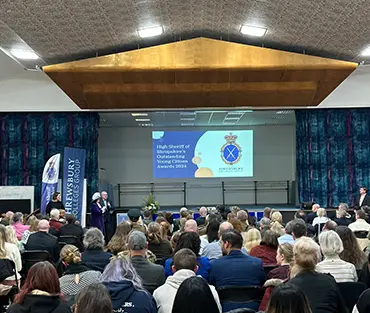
(125,298)
(237,269)
(203,263)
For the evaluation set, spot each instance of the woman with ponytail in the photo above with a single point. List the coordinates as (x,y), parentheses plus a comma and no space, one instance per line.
(159,246)
(77,275)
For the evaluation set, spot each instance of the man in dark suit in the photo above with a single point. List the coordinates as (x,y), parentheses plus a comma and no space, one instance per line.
(105,203)
(42,240)
(362,199)
(72,229)
(151,274)
(311,216)
(201,220)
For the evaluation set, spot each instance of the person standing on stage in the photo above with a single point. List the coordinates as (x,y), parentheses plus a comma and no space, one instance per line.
(55,203)
(97,212)
(106,216)
(362,199)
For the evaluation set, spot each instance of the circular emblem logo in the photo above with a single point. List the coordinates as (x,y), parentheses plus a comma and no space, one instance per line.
(231,151)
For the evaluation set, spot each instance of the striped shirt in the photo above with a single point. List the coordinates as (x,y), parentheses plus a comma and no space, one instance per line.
(341,270)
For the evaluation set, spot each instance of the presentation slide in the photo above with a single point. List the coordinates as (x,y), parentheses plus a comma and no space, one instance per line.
(202,154)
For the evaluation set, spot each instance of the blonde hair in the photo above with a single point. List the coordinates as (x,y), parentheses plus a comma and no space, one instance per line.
(11,236)
(306,255)
(34,223)
(252,239)
(277,217)
(276,225)
(321,212)
(286,250)
(70,254)
(235,210)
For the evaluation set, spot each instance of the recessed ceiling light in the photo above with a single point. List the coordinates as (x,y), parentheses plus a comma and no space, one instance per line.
(366,52)
(188,113)
(150,32)
(142,119)
(187,124)
(253,30)
(24,54)
(145,125)
(187,118)
(139,114)
(231,118)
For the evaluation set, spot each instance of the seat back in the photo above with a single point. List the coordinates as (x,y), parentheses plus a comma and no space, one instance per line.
(70,240)
(361,234)
(269,268)
(350,292)
(31,257)
(241,294)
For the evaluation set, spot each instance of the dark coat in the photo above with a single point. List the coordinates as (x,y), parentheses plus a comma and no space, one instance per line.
(363,303)
(73,230)
(96,260)
(44,241)
(40,304)
(366,201)
(97,219)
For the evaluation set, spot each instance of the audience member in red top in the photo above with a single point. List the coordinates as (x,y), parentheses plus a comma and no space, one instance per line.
(267,249)
(54,219)
(18,225)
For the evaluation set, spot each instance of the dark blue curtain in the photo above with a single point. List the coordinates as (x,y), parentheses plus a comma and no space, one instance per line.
(333,154)
(28,140)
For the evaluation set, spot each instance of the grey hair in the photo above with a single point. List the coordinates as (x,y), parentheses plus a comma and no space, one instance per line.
(54,213)
(343,206)
(289,227)
(120,269)
(18,217)
(94,239)
(330,243)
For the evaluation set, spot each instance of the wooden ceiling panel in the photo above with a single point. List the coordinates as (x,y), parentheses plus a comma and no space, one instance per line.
(200,73)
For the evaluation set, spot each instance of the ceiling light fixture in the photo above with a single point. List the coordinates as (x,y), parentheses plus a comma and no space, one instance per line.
(187,118)
(150,32)
(366,52)
(146,125)
(142,119)
(253,30)
(24,54)
(139,114)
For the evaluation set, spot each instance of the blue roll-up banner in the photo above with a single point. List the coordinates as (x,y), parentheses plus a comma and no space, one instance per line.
(73,180)
(49,181)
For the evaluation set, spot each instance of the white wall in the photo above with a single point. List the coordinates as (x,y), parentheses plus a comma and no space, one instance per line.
(126,154)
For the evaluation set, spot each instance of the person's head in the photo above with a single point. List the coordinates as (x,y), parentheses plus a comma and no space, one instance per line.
(277,217)
(235,209)
(352,252)
(191,226)
(95,197)
(330,243)
(231,240)
(11,236)
(289,228)
(62,213)
(165,229)
(93,298)
(94,239)
(104,195)
(300,214)
(118,242)
(121,269)
(18,217)
(252,239)
(188,240)
(306,255)
(169,218)
(43,226)
(299,228)
(212,230)
(70,218)
(154,233)
(360,214)
(270,238)
(185,259)
(230,216)
(284,254)
(137,243)
(330,225)
(134,215)
(321,212)
(288,298)
(184,212)
(3,253)
(242,216)
(203,211)
(41,276)
(343,206)
(237,225)
(56,196)
(341,213)
(9,215)
(363,190)
(194,296)
(225,226)
(267,212)
(147,214)
(54,214)
(315,207)
(174,239)
(34,223)
(70,254)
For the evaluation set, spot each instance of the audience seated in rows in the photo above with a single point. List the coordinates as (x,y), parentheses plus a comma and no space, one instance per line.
(331,246)
(184,266)
(33,222)
(361,228)
(321,289)
(301,215)
(76,275)
(18,225)
(190,240)
(72,229)
(94,255)
(54,221)
(236,268)
(157,244)
(126,289)
(342,217)
(40,292)
(152,275)
(191,227)
(266,250)
(118,243)
(42,240)
(213,250)
(351,250)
